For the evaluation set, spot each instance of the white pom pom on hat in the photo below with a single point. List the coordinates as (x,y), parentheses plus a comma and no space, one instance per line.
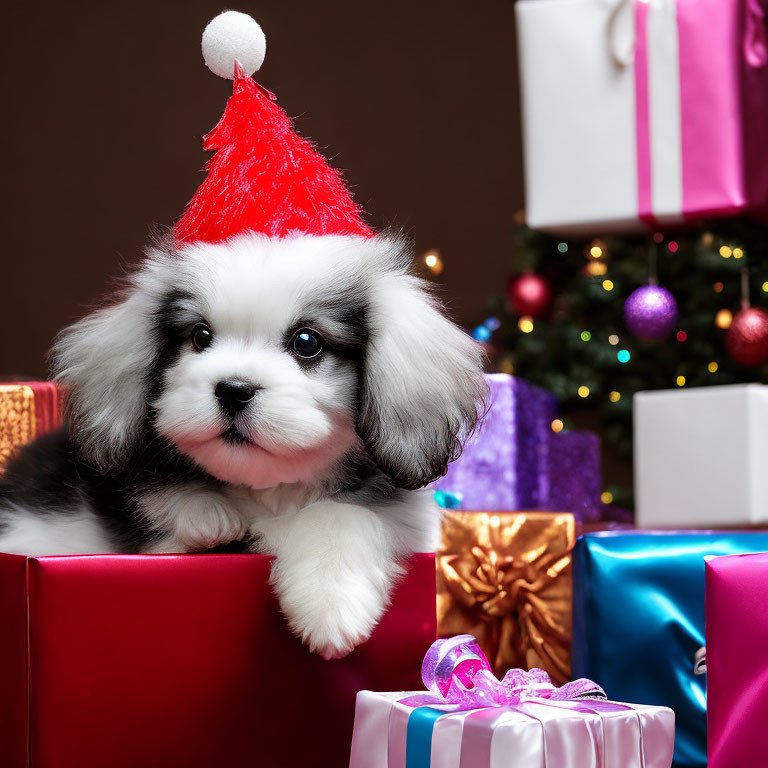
(233,36)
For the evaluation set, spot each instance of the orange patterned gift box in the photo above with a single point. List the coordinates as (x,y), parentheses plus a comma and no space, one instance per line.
(505,577)
(27,410)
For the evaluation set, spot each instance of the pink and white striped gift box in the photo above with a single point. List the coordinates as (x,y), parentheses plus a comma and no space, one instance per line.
(537,733)
(641,113)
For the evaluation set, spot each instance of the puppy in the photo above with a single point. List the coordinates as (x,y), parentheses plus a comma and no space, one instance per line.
(290,393)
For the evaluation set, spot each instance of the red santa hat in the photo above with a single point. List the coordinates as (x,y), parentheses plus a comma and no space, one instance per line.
(263,177)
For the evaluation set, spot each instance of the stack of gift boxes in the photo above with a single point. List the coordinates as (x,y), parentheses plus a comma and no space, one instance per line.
(617,105)
(516,502)
(623,607)
(700,476)
(515,498)
(635,596)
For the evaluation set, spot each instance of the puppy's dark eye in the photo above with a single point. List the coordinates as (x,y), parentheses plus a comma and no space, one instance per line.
(307,343)
(202,336)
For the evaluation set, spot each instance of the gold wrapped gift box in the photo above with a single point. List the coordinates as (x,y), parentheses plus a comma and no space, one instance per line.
(505,577)
(27,410)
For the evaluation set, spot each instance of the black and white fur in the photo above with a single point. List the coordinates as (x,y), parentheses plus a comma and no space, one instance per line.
(320,468)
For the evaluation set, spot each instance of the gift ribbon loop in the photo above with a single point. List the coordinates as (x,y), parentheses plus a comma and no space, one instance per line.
(700,661)
(456,672)
(755,34)
(621,33)
(622,38)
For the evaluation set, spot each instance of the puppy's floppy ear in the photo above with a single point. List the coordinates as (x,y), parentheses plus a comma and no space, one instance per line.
(103,361)
(423,389)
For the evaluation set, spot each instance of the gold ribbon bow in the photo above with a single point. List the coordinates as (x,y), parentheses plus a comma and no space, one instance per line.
(505,577)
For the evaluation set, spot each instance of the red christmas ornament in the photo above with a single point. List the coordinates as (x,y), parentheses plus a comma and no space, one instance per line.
(529,294)
(747,337)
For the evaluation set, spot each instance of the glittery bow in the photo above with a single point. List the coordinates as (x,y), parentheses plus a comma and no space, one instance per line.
(457,672)
(504,577)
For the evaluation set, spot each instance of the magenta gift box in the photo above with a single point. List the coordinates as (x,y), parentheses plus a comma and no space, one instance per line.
(737,661)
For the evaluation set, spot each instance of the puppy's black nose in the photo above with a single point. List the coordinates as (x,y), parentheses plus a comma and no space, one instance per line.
(233,396)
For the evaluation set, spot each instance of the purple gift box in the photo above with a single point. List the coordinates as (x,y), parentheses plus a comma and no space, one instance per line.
(575,479)
(503,465)
(514,461)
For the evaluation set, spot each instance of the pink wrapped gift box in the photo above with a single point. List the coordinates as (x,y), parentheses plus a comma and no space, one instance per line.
(472,720)
(737,661)
(639,114)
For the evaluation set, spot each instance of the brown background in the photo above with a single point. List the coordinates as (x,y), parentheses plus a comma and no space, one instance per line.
(106,103)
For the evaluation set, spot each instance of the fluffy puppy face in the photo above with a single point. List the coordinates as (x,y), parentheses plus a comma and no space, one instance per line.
(261,347)
(265,361)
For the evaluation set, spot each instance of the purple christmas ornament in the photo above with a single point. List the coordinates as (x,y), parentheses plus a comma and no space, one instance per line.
(650,312)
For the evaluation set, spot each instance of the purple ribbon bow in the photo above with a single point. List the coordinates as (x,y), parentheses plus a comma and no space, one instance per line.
(457,672)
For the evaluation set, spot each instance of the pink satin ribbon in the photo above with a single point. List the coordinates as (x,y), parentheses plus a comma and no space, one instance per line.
(642,124)
(457,672)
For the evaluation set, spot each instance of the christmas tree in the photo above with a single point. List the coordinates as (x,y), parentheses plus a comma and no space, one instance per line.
(564,321)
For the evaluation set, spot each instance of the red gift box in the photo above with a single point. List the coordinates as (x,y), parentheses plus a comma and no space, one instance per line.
(183,660)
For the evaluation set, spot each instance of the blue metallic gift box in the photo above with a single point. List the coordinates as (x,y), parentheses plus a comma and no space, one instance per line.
(638,620)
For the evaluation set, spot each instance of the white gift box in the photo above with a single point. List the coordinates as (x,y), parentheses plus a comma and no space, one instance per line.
(641,113)
(701,456)
(534,734)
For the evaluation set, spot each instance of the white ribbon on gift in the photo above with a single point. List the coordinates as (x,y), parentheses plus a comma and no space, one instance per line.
(620,33)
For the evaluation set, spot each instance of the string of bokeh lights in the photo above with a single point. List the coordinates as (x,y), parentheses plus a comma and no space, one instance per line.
(595,253)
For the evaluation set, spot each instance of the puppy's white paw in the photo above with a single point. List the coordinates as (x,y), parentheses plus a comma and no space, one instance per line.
(339,629)
(332,619)
(333,573)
